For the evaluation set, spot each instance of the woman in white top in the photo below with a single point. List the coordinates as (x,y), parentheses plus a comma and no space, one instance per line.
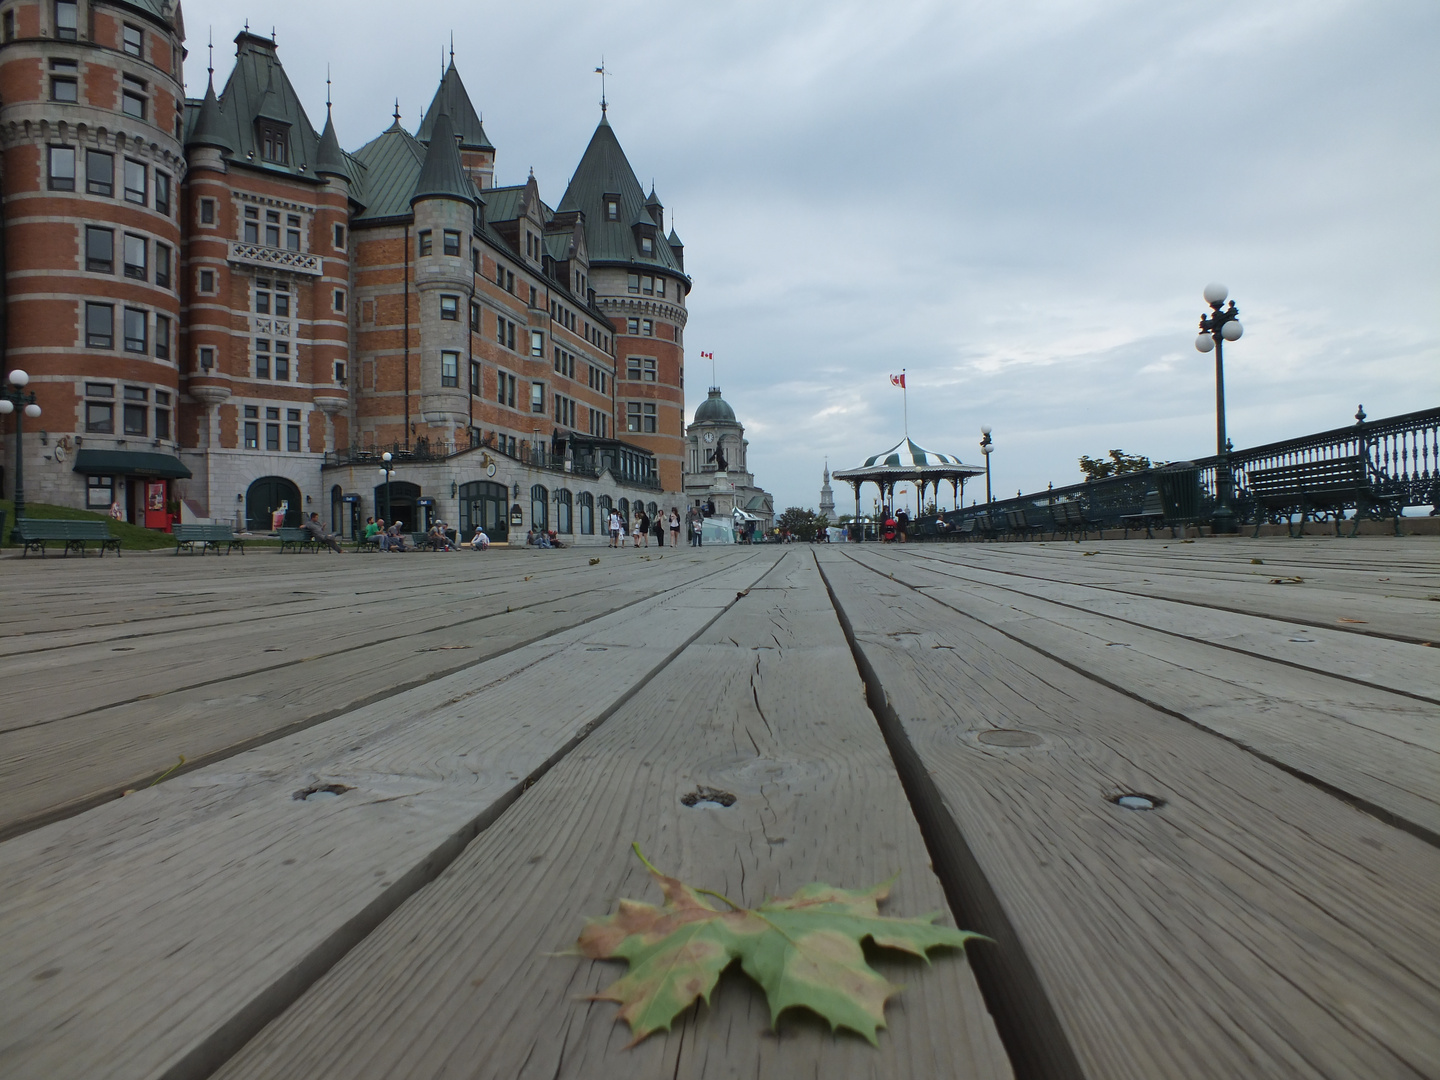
(674,527)
(615,527)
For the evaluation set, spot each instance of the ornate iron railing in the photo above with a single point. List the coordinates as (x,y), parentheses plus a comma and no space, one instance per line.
(268,258)
(1402,455)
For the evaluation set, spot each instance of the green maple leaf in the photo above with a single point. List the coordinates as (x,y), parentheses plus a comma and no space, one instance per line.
(804,950)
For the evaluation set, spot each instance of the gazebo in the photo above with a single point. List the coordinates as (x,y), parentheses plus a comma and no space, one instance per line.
(908,461)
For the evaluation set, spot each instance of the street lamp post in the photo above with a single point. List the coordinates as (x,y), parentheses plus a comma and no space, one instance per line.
(388,470)
(14,399)
(1220,326)
(987,447)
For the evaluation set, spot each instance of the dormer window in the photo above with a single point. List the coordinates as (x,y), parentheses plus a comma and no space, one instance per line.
(612,207)
(647,246)
(274,143)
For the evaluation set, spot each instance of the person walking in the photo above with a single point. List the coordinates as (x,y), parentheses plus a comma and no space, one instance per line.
(615,526)
(657,527)
(674,527)
(696,527)
(642,528)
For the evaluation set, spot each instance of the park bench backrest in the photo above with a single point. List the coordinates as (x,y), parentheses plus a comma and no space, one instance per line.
(1153,505)
(1330,476)
(62,529)
(293,536)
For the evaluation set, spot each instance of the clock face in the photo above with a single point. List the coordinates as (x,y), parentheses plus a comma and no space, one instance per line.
(709,436)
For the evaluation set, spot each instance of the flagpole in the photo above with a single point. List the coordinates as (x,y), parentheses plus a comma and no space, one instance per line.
(905,400)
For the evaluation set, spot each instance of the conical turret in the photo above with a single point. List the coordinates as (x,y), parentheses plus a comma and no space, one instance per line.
(210,124)
(331,159)
(443,175)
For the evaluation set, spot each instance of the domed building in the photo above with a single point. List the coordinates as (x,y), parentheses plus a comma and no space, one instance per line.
(716,469)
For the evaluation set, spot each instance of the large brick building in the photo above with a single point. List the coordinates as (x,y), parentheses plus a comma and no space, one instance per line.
(226,315)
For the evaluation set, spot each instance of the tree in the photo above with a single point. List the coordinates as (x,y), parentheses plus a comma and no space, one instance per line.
(1120,462)
(798,522)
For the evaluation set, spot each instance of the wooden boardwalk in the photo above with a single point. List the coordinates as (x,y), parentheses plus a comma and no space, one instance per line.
(502,727)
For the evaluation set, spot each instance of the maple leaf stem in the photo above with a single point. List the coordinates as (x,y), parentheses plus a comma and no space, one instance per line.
(635,847)
(720,896)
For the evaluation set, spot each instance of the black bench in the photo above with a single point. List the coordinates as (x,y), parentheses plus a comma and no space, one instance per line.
(367,543)
(298,539)
(207,536)
(35,533)
(1150,514)
(1326,486)
(1022,523)
(1069,518)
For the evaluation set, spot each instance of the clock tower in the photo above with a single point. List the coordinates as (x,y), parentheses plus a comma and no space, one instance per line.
(716,466)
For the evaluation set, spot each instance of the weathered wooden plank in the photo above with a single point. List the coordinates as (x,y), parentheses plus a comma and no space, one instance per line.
(1252,925)
(54,769)
(1377,662)
(767,707)
(152,935)
(1378,749)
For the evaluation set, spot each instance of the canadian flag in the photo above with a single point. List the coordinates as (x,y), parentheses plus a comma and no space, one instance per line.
(897,380)
(707,355)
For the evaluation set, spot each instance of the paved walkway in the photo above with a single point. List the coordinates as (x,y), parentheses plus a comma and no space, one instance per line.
(407,782)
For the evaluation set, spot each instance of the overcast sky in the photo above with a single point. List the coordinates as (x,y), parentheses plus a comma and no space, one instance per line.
(1019,202)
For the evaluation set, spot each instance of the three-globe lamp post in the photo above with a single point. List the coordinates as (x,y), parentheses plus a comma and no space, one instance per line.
(1216,328)
(387,470)
(987,447)
(14,399)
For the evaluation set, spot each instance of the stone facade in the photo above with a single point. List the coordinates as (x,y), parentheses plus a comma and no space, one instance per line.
(282,312)
(715,437)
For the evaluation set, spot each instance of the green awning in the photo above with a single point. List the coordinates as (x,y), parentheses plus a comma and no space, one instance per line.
(129,463)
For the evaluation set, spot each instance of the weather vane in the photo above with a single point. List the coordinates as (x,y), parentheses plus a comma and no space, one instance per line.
(604,105)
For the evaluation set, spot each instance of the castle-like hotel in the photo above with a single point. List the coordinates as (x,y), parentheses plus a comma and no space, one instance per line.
(227,316)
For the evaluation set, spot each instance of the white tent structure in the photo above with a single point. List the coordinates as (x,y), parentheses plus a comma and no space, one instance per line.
(908,461)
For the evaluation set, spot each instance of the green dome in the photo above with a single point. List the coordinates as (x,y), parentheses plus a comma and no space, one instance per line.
(714,409)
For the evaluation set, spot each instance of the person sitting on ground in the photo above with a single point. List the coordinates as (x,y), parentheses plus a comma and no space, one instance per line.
(313,529)
(481,541)
(554,539)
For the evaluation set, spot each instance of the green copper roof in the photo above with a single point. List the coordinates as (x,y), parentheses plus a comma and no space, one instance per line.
(209,126)
(604,170)
(503,203)
(453,99)
(331,159)
(392,162)
(443,175)
(674,239)
(166,11)
(715,409)
(258,86)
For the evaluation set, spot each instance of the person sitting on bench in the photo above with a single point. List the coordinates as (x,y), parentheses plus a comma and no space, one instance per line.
(317,532)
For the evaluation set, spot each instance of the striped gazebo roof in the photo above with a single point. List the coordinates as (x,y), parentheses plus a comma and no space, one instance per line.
(908,454)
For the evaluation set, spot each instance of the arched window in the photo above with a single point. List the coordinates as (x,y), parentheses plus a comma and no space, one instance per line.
(269,496)
(587,514)
(485,505)
(337,507)
(651,509)
(539,507)
(603,504)
(563,520)
(625,513)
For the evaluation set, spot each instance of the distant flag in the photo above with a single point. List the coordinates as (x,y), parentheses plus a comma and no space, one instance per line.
(897,380)
(707,356)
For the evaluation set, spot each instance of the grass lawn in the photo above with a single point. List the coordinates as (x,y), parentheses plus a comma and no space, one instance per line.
(132,537)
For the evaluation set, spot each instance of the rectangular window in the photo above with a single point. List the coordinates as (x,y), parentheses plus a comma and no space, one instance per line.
(162,265)
(207,211)
(633,283)
(207,281)
(162,192)
(137,420)
(262,358)
(99,418)
(499,275)
(509,281)
(207,358)
(262,296)
(99,490)
(452,243)
(537,397)
(100,326)
(292,437)
(99,250)
(427,242)
(282,361)
(64,88)
(647,328)
(474,378)
(647,246)
(339,237)
(449,369)
(292,239)
(272,436)
(67,20)
(162,422)
(339,300)
(647,285)
(135,261)
(282,301)
(537,343)
(612,208)
(450,308)
(132,40)
(132,98)
(252,225)
(475,316)
(162,337)
(7,27)
(340,372)
(274,146)
(252,435)
(509,334)
(62,168)
(272,228)
(99,172)
(640,417)
(135,188)
(632,327)
(135,337)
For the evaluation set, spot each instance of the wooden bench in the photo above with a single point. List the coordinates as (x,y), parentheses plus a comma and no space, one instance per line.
(1069,518)
(35,533)
(297,539)
(207,536)
(1327,486)
(1019,523)
(1150,514)
(367,543)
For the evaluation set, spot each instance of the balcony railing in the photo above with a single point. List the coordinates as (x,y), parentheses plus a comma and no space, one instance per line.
(269,258)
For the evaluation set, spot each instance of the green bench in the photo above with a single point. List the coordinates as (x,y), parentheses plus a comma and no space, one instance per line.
(298,539)
(364,544)
(35,533)
(207,536)
(1318,487)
